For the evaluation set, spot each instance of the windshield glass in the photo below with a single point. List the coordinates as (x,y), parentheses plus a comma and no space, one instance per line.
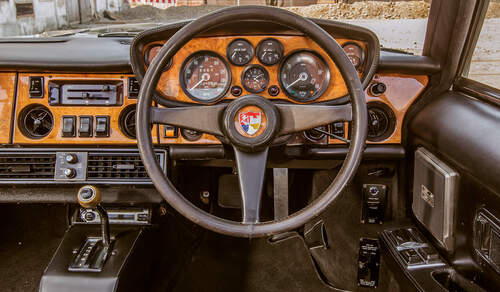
(400,25)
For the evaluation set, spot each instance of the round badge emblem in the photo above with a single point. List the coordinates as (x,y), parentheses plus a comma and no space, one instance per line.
(250,121)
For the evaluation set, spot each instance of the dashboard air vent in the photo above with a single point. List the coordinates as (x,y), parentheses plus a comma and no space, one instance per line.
(381,122)
(25,166)
(36,121)
(126,166)
(127,121)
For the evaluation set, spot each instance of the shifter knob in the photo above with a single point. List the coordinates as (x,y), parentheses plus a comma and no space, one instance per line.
(89,197)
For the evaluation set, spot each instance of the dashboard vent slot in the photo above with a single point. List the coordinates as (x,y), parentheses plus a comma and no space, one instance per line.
(27,166)
(117,166)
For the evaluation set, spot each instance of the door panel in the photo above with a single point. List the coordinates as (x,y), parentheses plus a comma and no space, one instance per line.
(465,133)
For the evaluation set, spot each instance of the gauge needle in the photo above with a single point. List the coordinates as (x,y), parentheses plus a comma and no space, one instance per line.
(204,77)
(256,77)
(302,77)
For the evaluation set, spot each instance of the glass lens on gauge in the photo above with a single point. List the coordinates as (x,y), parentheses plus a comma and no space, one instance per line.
(255,78)
(304,76)
(205,76)
(355,53)
(239,52)
(151,54)
(269,51)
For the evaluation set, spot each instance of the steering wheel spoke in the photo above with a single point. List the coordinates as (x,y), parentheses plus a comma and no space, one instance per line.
(251,171)
(296,118)
(200,118)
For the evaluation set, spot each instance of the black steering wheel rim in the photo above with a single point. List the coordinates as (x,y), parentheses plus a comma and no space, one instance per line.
(358,125)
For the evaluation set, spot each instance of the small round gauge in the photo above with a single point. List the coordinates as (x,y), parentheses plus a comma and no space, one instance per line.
(304,76)
(269,51)
(205,76)
(355,53)
(151,53)
(255,78)
(239,52)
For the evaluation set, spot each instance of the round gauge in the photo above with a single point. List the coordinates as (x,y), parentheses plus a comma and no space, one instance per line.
(205,76)
(355,53)
(151,53)
(255,78)
(269,51)
(304,76)
(239,52)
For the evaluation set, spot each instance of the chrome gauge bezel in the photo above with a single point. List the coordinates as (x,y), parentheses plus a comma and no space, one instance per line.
(183,81)
(319,93)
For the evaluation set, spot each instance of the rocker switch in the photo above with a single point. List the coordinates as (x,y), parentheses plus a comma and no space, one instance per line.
(68,126)
(36,87)
(85,127)
(102,126)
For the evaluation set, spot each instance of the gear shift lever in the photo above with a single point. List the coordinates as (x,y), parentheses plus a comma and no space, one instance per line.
(94,251)
(89,197)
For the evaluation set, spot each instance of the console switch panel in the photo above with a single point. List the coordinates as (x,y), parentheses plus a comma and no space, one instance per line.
(374,202)
(368,262)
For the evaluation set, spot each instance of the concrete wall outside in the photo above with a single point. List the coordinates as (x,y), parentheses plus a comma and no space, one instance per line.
(47,15)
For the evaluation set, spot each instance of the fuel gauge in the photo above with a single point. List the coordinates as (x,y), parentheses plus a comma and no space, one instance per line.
(269,51)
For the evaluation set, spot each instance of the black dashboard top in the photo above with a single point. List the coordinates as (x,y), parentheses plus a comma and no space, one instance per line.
(112,54)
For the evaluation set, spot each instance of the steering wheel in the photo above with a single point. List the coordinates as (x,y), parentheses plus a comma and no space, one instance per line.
(251,150)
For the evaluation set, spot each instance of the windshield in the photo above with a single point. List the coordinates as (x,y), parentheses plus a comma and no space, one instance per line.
(400,25)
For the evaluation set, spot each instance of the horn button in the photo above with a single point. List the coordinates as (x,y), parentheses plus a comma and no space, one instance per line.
(251,123)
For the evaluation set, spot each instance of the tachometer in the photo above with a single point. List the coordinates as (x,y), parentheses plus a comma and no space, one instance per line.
(255,78)
(205,76)
(304,76)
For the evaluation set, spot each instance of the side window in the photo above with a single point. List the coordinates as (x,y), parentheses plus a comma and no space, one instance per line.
(485,64)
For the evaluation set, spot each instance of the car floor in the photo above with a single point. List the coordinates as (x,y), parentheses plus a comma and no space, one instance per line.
(30,235)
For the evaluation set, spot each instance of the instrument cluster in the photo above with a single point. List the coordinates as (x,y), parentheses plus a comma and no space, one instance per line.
(302,74)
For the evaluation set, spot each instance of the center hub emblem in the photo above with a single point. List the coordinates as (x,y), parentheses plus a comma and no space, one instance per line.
(250,121)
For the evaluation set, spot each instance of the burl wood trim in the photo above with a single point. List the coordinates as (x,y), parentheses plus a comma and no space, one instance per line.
(55,137)
(7,90)
(169,84)
(401,92)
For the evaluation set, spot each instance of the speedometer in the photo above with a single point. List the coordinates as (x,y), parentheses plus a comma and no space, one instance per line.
(205,76)
(304,76)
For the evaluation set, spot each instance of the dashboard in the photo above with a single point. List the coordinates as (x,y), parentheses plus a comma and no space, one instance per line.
(93,102)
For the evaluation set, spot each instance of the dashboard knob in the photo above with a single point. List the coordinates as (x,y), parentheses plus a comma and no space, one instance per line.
(377,89)
(70,172)
(71,158)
